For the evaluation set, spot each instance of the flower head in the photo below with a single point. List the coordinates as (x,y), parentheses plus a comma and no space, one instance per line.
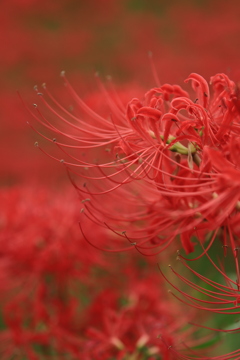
(156,167)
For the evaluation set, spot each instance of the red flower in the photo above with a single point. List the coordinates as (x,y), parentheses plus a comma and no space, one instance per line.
(139,321)
(158,176)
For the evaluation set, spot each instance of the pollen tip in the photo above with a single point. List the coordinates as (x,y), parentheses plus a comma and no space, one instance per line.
(96,73)
(109,77)
(54,140)
(44,85)
(35,105)
(36,144)
(62,161)
(62,73)
(40,94)
(82,210)
(35,88)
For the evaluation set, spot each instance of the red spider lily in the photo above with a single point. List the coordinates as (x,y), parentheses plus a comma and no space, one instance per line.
(41,261)
(144,326)
(160,173)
